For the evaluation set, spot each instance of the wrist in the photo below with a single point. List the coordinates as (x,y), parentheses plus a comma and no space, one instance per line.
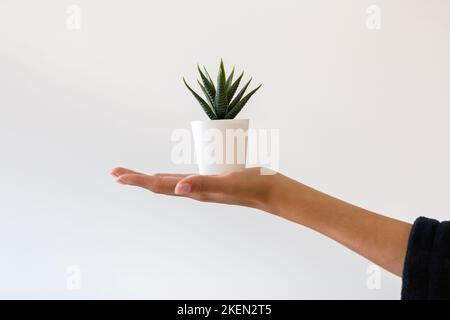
(287,198)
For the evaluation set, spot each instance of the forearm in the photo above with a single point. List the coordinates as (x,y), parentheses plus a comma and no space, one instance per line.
(380,239)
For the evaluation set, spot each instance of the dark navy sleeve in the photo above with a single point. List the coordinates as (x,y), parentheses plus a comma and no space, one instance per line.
(426,273)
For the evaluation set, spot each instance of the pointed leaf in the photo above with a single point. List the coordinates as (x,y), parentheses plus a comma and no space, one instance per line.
(209,112)
(230,79)
(207,95)
(209,77)
(238,107)
(232,90)
(220,102)
(208,86)
(239,96)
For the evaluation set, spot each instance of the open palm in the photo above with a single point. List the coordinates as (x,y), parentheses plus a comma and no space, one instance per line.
(248,187)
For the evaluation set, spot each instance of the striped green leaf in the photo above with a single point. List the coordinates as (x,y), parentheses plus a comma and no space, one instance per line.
(239,96)
(223,100)
(205,92)
(238,107)
(209,77)
(209,112)
(232,89)
(230,79)
(220,101)
(208,86)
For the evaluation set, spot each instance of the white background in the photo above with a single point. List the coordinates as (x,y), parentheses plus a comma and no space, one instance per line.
(363,115)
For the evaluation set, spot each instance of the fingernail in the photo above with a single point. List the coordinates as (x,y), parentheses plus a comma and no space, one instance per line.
(120,181)
(182,188)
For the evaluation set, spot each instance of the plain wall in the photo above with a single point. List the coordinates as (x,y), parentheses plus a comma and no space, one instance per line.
(363,115)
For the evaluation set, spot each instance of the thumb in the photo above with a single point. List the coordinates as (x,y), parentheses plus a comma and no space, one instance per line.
(199,184)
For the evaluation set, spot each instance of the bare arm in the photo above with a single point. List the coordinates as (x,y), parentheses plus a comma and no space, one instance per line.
(380,239)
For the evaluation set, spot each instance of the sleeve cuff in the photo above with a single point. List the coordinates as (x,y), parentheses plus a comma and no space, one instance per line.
(426,272)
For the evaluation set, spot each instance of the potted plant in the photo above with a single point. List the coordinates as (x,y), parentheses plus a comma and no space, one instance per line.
(221,142)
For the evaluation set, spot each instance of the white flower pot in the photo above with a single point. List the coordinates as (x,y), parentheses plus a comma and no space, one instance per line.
(220,145)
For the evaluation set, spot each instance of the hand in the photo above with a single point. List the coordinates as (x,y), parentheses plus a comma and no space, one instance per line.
(248,187)
(380,239)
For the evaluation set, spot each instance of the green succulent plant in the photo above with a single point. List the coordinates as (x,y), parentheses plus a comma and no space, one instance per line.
(221,101)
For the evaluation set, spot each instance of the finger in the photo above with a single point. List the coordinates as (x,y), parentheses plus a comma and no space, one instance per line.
(121,171)
(179,175)
(201,184)
(165,185)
